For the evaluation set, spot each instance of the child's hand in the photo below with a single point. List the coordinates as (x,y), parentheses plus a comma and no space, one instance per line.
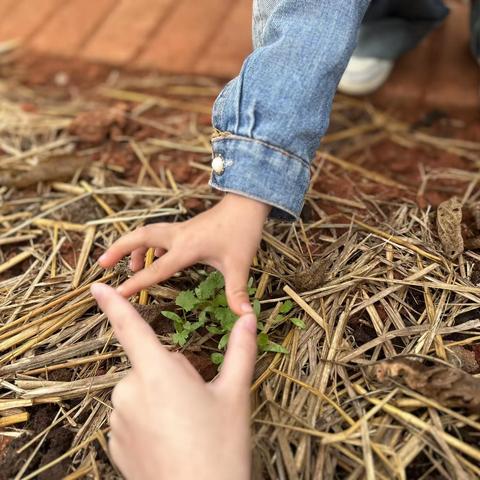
(225,237)
(167,423)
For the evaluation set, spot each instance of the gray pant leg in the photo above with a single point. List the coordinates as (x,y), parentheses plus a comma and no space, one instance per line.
(392,27)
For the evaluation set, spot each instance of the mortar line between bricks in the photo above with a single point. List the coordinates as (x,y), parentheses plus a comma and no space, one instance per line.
(96,27)
(149,36)
(12,6)
(59,5)
(215,32)
(218,32)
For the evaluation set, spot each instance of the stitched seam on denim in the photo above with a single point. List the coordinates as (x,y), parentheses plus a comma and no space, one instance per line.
(232,136)
(266,19)
(253,197)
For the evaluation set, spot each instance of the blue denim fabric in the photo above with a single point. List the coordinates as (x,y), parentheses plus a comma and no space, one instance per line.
(272,116)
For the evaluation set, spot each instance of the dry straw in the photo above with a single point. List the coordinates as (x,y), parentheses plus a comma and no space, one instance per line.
(378,286)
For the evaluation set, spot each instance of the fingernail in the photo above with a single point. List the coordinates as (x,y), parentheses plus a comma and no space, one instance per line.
(249,322)
(102,258)
(246,308)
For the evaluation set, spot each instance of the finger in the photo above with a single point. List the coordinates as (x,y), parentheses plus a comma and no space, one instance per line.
(124,392)
(137,338)
(117,425)
(118,455)
(160,270)
(236,279)
(137,261)
(155,235)
(237,371)
(121,427)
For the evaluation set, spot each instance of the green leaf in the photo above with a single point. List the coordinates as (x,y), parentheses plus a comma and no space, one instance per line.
(215,330)
(225,317)
(187,300)
(172,316)
(177,319)
(220,313)
(180,338)
(286,306)
(257,307)
(207,289)
(275,347)
(262,340)
(250,288)
(196,325)
(217,358)
(223,341)
(298,322)
(192,327)
(265,345)
(220,300)
(203,317)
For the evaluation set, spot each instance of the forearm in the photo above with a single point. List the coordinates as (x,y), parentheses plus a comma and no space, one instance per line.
(271,117)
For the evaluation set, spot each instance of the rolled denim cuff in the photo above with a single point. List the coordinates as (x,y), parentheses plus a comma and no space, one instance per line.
(263,172)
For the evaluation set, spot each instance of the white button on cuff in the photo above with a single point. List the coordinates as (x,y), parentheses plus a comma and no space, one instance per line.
(218,165)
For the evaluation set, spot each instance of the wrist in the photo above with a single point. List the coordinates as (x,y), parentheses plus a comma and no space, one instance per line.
(255,208)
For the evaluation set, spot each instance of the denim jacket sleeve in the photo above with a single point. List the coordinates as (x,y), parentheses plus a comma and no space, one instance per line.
(269,120)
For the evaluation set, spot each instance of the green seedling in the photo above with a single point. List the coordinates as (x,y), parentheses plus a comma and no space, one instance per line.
(206,307)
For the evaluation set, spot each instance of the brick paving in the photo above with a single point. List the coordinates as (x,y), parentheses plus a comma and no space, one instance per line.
(191,27)
(233,42)
(71,27)
(24,19)
(213,37)
(127,30)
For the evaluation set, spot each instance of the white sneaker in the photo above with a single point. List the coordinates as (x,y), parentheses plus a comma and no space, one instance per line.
(364,75)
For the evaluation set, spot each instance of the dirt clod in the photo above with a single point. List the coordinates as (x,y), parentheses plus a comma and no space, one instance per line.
(82,211)
(464,359)
(98,125)
(202,364)
(362,330)
(310,278)
(152,314)
(449,219)
(57,442)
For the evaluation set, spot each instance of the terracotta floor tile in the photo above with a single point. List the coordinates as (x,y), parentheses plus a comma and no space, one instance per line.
(455,75)
(126,30)
(182,39)
(233,42)
(213,37)
(26,17)
(71,26)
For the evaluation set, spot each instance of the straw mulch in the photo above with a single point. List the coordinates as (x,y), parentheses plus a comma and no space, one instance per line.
(366,270)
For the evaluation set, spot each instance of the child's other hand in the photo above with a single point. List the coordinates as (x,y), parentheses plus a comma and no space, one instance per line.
(226,237)
(167,423)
